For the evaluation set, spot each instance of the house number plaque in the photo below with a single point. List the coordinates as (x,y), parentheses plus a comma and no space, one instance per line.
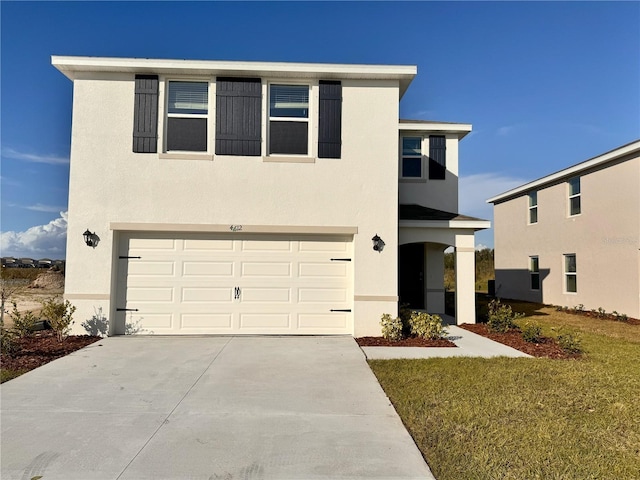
(235,228)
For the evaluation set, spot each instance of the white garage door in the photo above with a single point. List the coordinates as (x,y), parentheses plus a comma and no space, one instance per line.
(204,284)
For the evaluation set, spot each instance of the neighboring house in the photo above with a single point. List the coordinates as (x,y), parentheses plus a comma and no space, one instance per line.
(259,198)
(572,238)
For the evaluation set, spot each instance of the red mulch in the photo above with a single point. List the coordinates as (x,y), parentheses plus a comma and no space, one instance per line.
(606,316)
(547,348)
(405,342)
(43,347)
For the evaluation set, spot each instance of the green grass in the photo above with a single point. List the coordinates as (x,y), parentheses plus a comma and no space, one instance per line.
(527,418)
(6,374)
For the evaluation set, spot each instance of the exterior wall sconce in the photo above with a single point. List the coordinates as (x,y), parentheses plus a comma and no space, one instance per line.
(89,238)
(378,243)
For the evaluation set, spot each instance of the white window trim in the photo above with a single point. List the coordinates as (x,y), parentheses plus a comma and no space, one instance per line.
(577,195)
(311,120)
(532,207)
(163,114)
(567,274)
(423,144)
(532,272)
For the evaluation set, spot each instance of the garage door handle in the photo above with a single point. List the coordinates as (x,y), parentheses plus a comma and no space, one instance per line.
(126,309)
(340,310)
(340,259)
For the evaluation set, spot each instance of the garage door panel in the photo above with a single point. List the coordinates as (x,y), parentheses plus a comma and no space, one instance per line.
(322,295)
(206,321)
(206,295)
(167,244)
(150,294)
(266,295)
(265,246)
(150,323)
(269,321)
(322,246)
(212,269)
(322,270)
(266,269)
(314,321)
(153,269)
(210,245)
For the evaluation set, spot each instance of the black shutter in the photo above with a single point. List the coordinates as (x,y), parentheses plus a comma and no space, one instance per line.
(437,157)
(330,120)
(238,116)
(145,114)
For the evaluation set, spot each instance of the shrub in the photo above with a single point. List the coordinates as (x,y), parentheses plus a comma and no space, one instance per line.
(601,312)
(620,317)
(391,327)
(8,344)
(501,317)
(405,317)
(59,315)
(569,341)
(23,322)
(428,326)
(532,333)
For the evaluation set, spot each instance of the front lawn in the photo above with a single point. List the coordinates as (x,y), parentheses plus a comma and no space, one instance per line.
(525,418)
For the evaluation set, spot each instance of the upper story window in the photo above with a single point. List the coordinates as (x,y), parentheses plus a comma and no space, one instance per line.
(411,157)
(534,273)
(533,207)
(570,273)
(289,119)
(187,116)
(574,196)
(437,157)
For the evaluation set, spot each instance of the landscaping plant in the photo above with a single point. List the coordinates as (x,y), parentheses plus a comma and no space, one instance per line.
(391,327)
(428,326)
(501,317)
(60,316)
(531,332)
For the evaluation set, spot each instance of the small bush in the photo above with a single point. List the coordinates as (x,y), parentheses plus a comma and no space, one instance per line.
(501,317)
(428,326)
(23,322)
(620,317)
(8,344)
(60,316)
(391,327)
(569,341)
(601,312)
(532,333)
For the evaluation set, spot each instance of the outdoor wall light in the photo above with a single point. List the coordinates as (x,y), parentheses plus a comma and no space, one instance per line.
(378,243)
(89,238)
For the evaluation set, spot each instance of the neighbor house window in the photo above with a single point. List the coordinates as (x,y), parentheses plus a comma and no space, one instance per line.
(570,273)
(534,273)
(187,112)
(289,119)
(533,207)
(411,157)
(574,196)
(437,157)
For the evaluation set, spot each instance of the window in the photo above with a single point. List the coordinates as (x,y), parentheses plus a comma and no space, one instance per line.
(187,112)
(534,273)
(570,273)
(437,157)
(533,207)
(411,157)
(289,119)
(574,196)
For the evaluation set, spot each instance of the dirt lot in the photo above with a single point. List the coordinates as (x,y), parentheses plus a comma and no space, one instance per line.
(31,295)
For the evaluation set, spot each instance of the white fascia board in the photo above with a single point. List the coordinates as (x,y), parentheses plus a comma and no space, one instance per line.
(460,129)
(456,224)
(70,65)
(630,148)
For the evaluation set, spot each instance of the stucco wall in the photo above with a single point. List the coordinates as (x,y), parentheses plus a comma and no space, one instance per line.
(605,238)
(109,183)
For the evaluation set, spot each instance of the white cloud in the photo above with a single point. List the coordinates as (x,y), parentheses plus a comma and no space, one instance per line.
(39,207)
(474,190)
(40,241)
(34,157)
(481,246)
(504,131)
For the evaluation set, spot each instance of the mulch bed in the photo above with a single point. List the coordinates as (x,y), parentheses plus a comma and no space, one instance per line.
(43,347)
(405,342)
(547,348)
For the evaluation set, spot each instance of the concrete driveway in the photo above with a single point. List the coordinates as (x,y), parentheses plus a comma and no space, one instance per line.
(139,408)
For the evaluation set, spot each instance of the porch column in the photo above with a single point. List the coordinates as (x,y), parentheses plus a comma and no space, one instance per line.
(434,278)
(465,279)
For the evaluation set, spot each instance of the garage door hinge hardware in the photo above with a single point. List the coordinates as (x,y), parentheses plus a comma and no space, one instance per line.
(122,256)
(340,310)
(340,259)
(126,309)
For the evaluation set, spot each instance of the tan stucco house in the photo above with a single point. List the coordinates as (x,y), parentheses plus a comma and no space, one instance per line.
(260,198)
(572,238)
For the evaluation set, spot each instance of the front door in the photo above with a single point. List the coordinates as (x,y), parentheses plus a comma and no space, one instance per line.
(411,275)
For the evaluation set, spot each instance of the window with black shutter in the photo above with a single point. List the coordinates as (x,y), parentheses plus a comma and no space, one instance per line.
(145,114)
(238,116)
(187,114)
(437,157)
(289,119)
(330,119)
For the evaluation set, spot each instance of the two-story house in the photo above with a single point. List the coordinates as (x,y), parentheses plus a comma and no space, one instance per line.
(257,197)
(573,237)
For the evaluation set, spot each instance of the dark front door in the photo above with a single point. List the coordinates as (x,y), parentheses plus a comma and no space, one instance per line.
(411,275)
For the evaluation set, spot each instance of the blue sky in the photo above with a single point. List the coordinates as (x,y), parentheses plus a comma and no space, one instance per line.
(545,84)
